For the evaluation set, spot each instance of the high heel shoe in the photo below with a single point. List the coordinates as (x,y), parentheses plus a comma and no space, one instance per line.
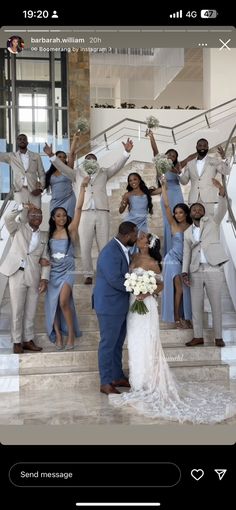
(69,347)
(59,347)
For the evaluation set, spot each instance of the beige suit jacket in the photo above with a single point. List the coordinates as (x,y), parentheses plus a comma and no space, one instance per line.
(96,189)
(34,173)
(21,234)
(201,187)
(209,241)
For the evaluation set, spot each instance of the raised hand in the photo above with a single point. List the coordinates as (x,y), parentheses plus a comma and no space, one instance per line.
(221,151)
(128,146)
(48,150)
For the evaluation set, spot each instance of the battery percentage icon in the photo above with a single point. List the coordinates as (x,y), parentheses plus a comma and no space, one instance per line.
(209,13)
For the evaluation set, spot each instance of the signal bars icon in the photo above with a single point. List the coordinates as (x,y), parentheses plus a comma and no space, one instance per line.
(178,14)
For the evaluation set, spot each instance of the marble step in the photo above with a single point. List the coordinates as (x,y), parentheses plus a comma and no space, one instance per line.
(86,359)
(9,383)
(71,378)
(228,319)
(168,336)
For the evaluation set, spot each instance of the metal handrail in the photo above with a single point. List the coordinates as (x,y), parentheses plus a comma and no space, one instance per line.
(135,121)
(230,210)
(169,128)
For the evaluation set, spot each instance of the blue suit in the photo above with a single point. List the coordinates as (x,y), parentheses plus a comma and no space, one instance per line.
(111,302)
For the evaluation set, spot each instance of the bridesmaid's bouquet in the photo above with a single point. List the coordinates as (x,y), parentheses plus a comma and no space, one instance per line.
(162,164)
(140,282)
(83,125)
(152,122)
(90,166)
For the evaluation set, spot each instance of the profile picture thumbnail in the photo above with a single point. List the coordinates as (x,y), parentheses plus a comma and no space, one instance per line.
(15,44)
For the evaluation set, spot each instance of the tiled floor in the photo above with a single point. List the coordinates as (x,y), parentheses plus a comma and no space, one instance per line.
(67,407)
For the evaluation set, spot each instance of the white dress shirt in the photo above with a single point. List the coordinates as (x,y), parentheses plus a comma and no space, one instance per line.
(196,235)
(200,165)
(25,161)
(125,249)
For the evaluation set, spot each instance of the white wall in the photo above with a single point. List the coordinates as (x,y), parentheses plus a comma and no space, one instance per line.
(103,118)
(219,76)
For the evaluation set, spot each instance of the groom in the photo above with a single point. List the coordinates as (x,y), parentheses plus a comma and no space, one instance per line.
(111,302)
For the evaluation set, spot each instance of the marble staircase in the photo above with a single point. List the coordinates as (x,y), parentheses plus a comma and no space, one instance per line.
(78,369)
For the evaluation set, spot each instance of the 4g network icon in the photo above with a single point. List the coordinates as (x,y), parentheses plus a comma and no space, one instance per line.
(207,14)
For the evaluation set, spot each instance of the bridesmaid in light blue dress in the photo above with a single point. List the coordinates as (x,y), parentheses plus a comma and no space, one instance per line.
(139,202)
(59,306)
(174,191)
(61,187)
(176,300)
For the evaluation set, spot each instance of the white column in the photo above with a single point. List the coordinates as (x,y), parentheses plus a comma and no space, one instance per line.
(219,76)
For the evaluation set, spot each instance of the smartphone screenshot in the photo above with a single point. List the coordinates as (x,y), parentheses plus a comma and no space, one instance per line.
(117,259)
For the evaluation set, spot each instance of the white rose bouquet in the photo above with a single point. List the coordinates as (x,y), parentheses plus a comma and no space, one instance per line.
(140,282)
(83,125)
(90,166)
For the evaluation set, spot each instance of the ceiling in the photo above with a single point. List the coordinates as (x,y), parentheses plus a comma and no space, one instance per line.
(106,70)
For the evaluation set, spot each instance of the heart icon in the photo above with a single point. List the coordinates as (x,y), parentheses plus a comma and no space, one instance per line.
(197,474)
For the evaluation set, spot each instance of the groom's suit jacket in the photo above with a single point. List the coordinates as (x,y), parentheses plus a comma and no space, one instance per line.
(110,296)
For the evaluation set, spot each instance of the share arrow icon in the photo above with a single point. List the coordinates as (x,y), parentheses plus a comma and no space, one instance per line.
(220,473)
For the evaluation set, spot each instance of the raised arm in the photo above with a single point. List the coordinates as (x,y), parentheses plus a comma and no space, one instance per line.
(153,142)
(5,157)
(59,165)
(183,163)
(113,169)
(10,219)
(169,215)
(223,166)
(222,204)
(73,227)
(73,149)
(41,172)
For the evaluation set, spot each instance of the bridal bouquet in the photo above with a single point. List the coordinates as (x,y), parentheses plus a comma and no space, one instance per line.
(162,164)
(90,166)
(140,282)
(83,125)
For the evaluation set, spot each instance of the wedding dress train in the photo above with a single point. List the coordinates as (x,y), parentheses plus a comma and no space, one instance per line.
(155,392)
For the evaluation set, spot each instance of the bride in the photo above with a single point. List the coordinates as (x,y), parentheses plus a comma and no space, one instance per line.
(154,391)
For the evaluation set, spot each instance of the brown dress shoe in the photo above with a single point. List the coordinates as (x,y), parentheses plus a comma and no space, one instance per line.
(88,280)
(121,382)
(195,341)
(108,388)
(30,346)
(17,349)
(219,342)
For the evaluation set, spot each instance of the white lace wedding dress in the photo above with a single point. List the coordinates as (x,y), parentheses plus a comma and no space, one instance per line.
(154,391)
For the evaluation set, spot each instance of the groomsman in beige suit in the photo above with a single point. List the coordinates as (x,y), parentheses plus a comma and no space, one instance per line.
(27,266)
(200,172)
(94,220)
(28,176)
(202,266)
